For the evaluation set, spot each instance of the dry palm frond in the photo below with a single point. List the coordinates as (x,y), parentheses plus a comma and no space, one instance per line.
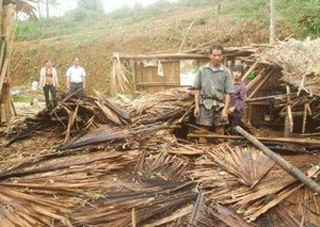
(120,77)
(162,106)
(299,61)
(249,164)
(25,6)
(225,188)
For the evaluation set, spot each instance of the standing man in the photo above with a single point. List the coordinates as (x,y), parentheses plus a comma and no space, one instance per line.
(214,87)
(76,77)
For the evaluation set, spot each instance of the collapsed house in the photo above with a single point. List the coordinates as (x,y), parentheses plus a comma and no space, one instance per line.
(118,163)
(281,80)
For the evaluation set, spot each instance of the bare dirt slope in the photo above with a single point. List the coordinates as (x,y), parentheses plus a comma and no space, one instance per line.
(157,34)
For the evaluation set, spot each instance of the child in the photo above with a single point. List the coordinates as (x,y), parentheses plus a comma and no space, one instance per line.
(238,98)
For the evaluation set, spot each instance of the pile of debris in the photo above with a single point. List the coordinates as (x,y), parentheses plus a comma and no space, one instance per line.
(129,169)
(119,163)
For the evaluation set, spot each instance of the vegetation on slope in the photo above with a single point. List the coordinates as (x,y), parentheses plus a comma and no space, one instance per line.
(162,26)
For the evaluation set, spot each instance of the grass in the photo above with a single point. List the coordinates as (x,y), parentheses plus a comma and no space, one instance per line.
(302,15)
(21,98)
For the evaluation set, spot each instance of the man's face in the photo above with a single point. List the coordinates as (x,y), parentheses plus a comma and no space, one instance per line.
(216,57)
(76,61)
(48,64)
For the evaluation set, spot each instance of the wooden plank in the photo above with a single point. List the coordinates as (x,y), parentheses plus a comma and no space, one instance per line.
(155,78)
(148,77)
(133,73)
(176,72)
(264,139)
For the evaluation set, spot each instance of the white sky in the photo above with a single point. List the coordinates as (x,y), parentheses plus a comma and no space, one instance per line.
(108,5)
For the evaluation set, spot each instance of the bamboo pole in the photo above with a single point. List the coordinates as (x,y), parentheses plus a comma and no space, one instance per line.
(263,81)
(256,80)
(3,73)
(133,217)
(304,122)
(272,22)
(280,161)
(134,77)
(249,71)
(288,127)
(184,39)
(1,14)
(264,139)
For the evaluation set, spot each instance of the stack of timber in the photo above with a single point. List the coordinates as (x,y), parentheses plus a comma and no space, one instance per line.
(7,12)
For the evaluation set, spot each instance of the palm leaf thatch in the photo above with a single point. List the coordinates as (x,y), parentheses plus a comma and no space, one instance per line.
(299,60)
(120,77)
(25,6)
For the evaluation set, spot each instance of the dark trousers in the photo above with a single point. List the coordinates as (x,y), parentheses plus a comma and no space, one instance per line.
(75,87)
(235,120)
(49,88)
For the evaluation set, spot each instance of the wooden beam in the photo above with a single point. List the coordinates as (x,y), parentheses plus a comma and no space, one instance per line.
(155,84)
(263,81)
(158,56)
(249,71)
(264,139)
(256,80)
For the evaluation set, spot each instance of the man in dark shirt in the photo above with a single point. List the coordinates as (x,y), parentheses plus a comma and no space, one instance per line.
(238,98)
(213,86)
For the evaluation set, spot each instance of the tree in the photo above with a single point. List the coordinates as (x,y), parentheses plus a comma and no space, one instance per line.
(91,5)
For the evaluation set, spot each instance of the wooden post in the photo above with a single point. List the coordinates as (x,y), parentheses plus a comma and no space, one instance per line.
(133,213)
(218,14)
(280,161)
(134,80)
(304,122)
(272,22)
(288,127)
(7,13)
(1,13)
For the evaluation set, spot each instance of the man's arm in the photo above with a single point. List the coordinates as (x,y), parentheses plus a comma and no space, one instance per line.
(197,103)
(68,82)
(83,74)
(41,82)
(84,82)
(224,114)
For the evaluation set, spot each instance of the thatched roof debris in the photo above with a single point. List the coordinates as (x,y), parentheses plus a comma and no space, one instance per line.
(299,61)
(138,173)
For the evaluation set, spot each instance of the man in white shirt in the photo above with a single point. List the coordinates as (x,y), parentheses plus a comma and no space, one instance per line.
(76,77)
